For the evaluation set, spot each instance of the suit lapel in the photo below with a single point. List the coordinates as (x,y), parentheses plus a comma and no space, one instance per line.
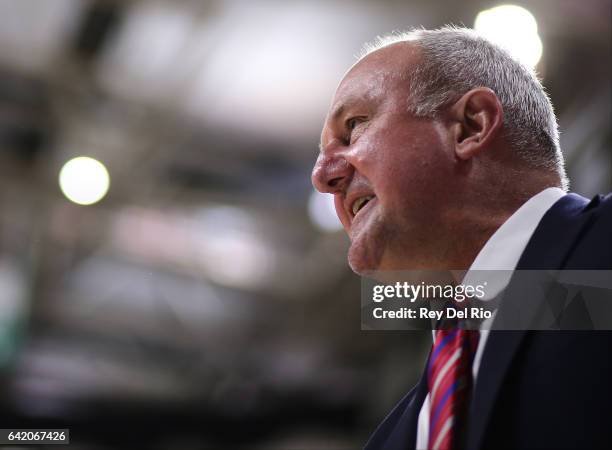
(548,248)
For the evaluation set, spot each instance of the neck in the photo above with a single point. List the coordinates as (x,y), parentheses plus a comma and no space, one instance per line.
(495,193)
(472,224)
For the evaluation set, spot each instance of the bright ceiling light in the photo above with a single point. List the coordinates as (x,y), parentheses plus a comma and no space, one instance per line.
(322,212)
(84,180)
(513,28)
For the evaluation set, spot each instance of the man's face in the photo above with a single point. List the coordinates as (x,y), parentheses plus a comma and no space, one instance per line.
(388,170)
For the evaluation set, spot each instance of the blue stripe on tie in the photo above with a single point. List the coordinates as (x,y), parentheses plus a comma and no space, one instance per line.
(447,394)
(445,340)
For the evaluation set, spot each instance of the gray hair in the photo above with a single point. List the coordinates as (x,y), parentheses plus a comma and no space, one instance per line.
(456,60)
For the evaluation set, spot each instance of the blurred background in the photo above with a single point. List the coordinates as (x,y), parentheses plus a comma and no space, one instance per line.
(188,289)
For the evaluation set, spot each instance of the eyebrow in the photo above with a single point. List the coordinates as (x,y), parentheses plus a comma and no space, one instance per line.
(338,111)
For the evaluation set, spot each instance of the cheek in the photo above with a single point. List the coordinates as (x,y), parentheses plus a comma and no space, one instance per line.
(401,187)
(404,160)
(413,176)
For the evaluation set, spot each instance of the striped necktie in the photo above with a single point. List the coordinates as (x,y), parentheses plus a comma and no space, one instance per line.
(449,377)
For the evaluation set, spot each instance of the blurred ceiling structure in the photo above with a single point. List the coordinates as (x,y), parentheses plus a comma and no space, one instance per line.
(200,287)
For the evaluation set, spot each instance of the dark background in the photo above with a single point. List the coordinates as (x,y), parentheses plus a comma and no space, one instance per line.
(206,300)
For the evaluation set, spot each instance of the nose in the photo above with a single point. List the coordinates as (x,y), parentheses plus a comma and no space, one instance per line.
(331,173)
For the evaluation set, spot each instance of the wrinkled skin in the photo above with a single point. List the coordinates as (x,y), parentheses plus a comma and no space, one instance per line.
(371,145)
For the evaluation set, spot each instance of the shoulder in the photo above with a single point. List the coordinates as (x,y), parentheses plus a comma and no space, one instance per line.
(602,204)
(591,246)
(598,212)
(573,208)
(575,233)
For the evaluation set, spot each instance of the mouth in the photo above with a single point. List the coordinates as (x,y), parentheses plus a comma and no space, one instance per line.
(359,203)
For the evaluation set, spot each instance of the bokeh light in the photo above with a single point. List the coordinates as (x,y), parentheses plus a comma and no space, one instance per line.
(84,180)
(515,29)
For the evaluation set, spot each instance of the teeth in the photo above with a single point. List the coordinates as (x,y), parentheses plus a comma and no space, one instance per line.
(360,203)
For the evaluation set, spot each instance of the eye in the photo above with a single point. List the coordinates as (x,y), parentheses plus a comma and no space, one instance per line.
(351,124)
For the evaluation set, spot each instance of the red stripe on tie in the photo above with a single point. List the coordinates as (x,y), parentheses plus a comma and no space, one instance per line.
(450,383)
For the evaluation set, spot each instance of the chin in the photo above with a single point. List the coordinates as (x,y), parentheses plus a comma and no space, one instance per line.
(363,260)
(358,267)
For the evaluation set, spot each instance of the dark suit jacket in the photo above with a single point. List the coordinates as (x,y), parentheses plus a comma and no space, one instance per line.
(537,389)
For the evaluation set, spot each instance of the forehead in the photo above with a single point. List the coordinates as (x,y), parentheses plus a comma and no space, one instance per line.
(375,76)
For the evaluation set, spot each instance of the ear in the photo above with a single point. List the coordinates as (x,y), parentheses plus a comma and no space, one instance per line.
(476,119)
